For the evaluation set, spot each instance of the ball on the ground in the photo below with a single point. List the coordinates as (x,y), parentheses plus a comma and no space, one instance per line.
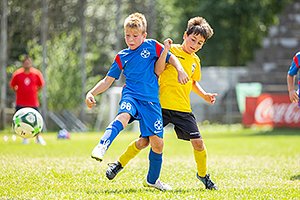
(27,122)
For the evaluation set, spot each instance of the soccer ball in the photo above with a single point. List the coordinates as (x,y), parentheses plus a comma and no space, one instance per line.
(27,122)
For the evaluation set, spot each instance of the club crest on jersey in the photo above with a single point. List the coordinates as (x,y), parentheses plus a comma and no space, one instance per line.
(193,67)
(27,81)
(145,53)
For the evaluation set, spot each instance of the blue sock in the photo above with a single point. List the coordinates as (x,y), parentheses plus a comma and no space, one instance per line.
(155,162)
(111,132)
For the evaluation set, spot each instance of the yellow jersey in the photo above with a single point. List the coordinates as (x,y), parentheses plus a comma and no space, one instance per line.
(172,94)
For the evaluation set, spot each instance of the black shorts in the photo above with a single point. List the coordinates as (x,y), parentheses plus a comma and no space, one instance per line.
(185,124)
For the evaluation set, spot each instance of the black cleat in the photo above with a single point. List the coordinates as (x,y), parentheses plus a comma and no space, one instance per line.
(113,170)
(207,182)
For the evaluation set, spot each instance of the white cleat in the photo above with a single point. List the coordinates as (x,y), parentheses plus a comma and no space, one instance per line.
(158,185)
(40,140)
(98,152)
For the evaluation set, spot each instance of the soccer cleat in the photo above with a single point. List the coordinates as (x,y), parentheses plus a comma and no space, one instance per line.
(98,152)
(207,182)
(25,141)
(40,140)
(113,170)
(158,185)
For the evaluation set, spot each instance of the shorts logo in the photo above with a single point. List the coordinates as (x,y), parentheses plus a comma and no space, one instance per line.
(145,53)
(125,105)
(158,125)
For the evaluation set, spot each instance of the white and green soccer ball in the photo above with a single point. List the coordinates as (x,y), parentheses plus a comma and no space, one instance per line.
(27,122)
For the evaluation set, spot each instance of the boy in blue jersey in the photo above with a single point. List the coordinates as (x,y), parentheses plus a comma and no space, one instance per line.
(292,73)
(139,95)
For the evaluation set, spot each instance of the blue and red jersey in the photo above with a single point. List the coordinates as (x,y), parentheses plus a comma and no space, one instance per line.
(295,66)
(138,68)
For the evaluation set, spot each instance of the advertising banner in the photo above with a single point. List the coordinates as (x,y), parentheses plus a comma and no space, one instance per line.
(271,109)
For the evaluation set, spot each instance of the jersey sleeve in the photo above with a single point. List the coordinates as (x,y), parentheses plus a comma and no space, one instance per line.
(41,81)
(295,65)
(116,68)
(159,49)
(13,81)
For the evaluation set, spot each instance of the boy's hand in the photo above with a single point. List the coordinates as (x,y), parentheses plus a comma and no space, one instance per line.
(167,43)
(210,98)
(182,76)
(293,96)
(90,100)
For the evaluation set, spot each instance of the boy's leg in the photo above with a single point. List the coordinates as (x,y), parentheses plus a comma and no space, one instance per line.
(111,132)
(155,163)
(127,109)
(132,150)
(155,158)
(109,135)
(200,155)
(186,129)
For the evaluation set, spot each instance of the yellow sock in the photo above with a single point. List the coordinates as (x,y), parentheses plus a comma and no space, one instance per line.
(130,153)
(200,158)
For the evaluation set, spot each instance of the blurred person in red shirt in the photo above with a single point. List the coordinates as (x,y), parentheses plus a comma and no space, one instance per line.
(27,81)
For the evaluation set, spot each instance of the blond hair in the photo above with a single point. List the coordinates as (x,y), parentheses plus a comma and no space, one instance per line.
(136,21)
(198,25)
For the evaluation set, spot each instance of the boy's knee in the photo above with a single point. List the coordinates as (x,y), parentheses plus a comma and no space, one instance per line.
(123,118)
(142,143)
(157,144)
(198,144)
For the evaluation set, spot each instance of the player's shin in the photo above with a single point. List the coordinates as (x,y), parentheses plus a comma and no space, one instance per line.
(155,162)
(111,133)
(200,158)
(129,154)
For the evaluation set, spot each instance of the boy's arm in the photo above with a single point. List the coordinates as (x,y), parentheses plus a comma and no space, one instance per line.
(208,97)
(161,62)
(13,83)
(100,87)
(291,88)
(182,75)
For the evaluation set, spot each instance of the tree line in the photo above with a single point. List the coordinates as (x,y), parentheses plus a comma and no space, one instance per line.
(83,36)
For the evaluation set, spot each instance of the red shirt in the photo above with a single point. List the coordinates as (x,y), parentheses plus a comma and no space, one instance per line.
(26,86)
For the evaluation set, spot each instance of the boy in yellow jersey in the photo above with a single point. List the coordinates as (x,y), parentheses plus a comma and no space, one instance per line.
(175,100)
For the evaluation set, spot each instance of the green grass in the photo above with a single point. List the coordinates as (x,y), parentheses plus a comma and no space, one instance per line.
(245,164)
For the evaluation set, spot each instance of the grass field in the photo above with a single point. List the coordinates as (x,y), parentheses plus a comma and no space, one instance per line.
(245,164)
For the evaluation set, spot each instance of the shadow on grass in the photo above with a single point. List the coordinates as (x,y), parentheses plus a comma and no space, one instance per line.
(133,190)
(296,177)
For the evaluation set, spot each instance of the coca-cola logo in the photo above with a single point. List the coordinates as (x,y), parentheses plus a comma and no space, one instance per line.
(268,112)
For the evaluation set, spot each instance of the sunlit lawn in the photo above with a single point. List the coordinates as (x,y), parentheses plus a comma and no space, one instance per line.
(245,164)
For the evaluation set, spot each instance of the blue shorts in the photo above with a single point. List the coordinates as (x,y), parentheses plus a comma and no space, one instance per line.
(147,113)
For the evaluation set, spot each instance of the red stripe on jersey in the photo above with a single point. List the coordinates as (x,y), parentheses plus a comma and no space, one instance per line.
(118,61)
(158,48)
(296,60)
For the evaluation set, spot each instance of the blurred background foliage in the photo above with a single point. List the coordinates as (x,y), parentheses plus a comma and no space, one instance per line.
(239,27)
